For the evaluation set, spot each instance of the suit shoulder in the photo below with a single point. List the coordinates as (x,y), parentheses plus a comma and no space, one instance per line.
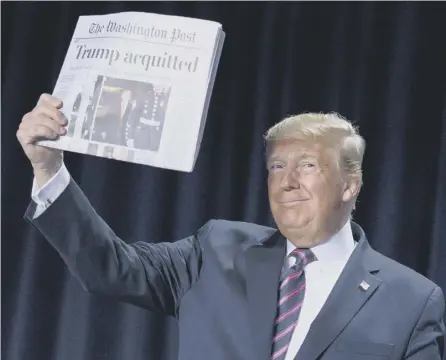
(238,230)
(401,275)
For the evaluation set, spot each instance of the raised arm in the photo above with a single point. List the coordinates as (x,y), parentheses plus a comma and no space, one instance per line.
(153,276)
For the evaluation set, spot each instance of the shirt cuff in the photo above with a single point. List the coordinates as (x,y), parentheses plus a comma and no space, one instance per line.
(48,193)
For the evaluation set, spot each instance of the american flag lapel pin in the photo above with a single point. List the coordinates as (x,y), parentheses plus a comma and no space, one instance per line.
(364,285)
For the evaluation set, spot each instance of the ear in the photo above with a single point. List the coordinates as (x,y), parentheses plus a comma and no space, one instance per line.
(351,189)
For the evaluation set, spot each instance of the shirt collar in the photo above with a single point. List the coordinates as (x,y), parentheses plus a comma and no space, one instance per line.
(338,248)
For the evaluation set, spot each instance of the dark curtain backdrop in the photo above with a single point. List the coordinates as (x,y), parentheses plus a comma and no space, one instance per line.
(381,64)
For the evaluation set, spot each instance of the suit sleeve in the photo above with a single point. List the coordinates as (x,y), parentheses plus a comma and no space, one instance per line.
(428,337)
(154,276)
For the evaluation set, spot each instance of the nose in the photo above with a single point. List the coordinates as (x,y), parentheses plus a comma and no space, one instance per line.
(290,180)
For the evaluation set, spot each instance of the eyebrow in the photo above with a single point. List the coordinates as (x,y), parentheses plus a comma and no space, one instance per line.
(307,156)
(274,157)
(300,157)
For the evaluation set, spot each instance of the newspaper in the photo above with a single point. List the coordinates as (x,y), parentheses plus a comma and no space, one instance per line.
(136,87)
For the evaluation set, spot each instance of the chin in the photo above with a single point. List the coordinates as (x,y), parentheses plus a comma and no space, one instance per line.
(290,224)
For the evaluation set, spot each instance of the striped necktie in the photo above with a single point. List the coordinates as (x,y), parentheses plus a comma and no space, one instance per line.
(291,296)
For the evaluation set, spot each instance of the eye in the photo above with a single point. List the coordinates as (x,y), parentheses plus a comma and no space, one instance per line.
(307,165)
(275,166)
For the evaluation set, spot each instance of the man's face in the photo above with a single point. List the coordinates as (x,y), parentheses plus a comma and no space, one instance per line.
(307,193)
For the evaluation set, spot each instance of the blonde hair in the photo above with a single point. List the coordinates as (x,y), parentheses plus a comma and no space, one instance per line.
(332,129)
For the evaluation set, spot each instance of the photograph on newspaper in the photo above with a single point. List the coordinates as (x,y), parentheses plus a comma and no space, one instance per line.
(110,112)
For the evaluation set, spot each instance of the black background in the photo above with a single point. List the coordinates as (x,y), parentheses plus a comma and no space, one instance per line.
(381,64)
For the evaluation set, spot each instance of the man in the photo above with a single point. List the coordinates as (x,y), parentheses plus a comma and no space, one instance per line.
(314,289)
(107,122)
(143,127)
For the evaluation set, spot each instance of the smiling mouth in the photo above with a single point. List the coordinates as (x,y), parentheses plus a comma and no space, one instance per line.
(292,202)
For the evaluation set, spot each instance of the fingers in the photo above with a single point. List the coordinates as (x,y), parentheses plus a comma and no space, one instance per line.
(49,106)
(31,134)
(47,111)
(45,121)
(42,117)
(50,100)
(48,122)
(41,132)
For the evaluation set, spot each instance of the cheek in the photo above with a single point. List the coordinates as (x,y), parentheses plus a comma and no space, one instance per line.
(273,185)
(270,189)
(329,197)
(320,193)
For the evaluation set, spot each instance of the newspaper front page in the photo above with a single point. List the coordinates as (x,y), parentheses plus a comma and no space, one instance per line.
(136,87)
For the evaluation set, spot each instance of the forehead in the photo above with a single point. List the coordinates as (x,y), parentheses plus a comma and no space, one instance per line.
(297,148)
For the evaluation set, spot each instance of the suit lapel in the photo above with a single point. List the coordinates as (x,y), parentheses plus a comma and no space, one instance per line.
(263,265)
(353,289)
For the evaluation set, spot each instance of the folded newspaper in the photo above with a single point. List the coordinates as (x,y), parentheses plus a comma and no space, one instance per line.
(136,87)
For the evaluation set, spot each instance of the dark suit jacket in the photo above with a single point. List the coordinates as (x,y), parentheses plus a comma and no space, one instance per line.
(221,283)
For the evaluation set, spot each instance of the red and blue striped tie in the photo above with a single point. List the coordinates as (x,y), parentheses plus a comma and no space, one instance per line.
(291,296)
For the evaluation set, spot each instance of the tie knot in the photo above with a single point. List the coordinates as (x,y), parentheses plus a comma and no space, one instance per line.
(303,257)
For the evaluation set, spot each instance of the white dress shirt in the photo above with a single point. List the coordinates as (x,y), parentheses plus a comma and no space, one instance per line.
(48,193)
(321,275)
